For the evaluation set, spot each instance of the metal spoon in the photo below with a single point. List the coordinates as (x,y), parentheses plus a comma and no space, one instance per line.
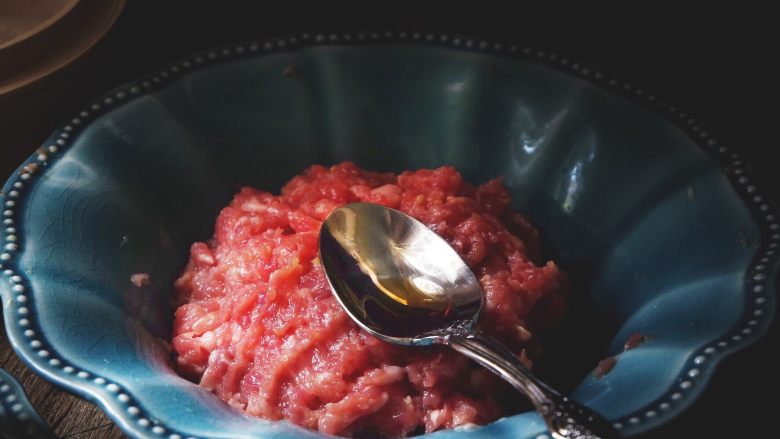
(404,284)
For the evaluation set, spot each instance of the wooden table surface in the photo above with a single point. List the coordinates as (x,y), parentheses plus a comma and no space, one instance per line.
(701,62)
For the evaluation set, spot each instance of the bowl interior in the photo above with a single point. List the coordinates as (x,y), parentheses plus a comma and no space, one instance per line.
(653,233)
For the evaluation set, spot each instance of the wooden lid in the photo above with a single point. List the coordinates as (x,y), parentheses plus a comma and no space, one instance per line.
(40,37)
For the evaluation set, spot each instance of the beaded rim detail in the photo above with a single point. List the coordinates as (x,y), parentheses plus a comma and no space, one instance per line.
(14,402)
(124,409)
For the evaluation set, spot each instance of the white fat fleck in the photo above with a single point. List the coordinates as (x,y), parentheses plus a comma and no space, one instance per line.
(289,343)
(205,258)
(237,333)
(523,333)
(435,416)
(323,377)
(255,206)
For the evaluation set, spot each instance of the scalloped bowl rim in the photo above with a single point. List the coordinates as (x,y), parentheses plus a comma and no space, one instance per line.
(763,267)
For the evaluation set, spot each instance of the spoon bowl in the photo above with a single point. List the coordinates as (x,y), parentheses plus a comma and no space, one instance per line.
(406,285)
(394,277)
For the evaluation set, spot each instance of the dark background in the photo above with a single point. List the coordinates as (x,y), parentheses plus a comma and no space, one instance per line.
(715,65)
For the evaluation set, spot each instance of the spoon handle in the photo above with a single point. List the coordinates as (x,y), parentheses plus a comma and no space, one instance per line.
(565,418)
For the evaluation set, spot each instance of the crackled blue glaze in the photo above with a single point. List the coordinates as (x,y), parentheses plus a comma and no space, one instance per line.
(678,247)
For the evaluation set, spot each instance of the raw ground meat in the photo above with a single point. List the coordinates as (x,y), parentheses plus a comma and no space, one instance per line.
(257,324)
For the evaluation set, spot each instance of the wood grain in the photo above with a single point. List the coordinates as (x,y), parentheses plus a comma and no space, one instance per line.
(68,415)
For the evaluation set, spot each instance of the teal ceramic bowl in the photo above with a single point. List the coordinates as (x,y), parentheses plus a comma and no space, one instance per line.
(677,242)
